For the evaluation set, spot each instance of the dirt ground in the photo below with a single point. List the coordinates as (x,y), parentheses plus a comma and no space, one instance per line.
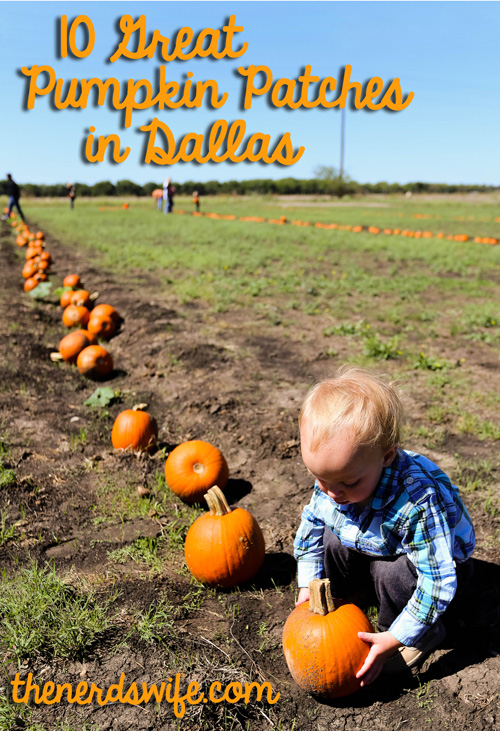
(237,382)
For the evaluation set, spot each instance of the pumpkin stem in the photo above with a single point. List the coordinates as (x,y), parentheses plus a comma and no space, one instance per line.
(216,501)
(320,597)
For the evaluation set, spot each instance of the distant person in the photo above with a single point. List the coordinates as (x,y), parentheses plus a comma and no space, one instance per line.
(168,196)
(14,193)
(196,200)
(71,194)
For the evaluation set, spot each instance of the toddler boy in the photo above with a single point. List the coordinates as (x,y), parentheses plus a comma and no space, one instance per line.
(379,515)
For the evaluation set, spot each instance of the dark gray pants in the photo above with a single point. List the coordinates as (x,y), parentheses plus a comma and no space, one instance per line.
(393,578)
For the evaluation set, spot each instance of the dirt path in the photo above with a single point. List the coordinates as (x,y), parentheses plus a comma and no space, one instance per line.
(234,381)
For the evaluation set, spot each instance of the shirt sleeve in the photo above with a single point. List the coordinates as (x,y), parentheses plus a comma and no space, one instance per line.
(428,542)
(308,544)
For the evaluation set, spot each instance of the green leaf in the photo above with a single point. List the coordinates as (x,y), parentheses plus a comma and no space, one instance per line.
(60,291)
(41,291)
(102,397)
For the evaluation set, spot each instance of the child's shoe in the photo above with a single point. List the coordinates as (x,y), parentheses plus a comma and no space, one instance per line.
(412,657)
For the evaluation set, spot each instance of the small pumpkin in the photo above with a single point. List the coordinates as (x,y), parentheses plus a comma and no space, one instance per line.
(74,316)
(71,280)
(30,284)
(80,298)
(134,429)
(224,547)
(40,277)
(193,467)
(29,269)
(33,251)
(72,344)
(21,240)
(101,326)
(94,362)
(40,235)
(321,644)
(66,298)
(107,310)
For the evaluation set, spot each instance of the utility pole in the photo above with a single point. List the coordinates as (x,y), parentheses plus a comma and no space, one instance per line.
(342,133)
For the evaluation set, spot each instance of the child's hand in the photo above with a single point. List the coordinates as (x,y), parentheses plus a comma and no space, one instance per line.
(303,596)
(382,647)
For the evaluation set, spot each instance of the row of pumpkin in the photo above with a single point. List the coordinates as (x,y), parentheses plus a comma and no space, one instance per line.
(224,547)
(409,233)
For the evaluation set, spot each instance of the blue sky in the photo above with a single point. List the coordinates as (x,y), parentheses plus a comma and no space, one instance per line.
(447,53)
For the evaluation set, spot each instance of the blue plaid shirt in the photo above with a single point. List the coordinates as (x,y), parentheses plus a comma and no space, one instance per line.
(414,510)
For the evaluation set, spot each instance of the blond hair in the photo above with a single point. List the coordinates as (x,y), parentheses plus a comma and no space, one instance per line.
(353,400)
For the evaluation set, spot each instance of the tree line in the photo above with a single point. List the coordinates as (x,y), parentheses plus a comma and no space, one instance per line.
(335,186)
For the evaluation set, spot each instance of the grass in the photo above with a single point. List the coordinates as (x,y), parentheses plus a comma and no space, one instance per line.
(422,311)
(41,615)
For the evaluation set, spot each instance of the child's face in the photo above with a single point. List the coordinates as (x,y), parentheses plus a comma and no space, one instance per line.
(344,470)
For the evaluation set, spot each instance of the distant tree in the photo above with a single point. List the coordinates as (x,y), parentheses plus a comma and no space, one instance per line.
(128,187)
(149,187)
(335,183)
(83,190)
(29,189)
(103,188)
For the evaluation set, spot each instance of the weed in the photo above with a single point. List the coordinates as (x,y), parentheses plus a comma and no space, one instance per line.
(428,362)
(143,551)
(6,531)
(375,348)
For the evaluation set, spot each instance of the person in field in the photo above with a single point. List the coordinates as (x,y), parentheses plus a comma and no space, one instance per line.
(379,517)
(168,196)
(14,193)
(196,200)
(71,194)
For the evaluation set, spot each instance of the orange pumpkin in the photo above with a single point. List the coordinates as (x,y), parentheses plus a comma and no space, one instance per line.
(66,298)
(40,277)
(71,280)
(40,235)
(29,269)
(30,284)
(134,429)
(94,362)
(107,310)
(80,298)
(224,547)
(321,644)
(101,326)
(74,316)
(73,343)
(32,252)
(193,467)
(21,240)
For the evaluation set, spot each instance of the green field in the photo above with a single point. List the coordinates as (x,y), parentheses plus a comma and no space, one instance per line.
(227,323)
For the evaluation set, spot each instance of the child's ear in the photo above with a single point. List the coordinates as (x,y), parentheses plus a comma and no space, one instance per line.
(390,455)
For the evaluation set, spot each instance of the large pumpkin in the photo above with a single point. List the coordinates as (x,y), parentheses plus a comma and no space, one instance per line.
(71,280)
(321,644)
(72,344)
(74,316)
(101,326)
(224,547)
(134,429)
(94,362)
(193,467)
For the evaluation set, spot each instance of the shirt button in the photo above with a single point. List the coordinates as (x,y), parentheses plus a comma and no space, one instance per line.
(409,481)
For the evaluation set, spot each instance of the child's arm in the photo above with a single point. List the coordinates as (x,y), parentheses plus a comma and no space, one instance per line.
(308,545)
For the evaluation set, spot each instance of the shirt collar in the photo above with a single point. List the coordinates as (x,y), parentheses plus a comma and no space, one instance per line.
(388,485)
